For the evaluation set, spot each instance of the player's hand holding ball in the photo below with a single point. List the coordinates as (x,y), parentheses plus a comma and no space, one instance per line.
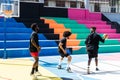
(105,36)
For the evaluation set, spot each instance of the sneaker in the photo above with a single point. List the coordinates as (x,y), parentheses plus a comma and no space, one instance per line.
(97,69)
(33,77)
(31,73)
(88,71)
(37,73)
(69,69)
(59,67)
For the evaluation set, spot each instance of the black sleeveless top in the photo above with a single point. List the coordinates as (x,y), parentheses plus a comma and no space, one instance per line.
(34,36)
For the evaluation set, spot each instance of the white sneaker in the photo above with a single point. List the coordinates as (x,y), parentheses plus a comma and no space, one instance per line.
(37,73)
(88,71)
(33,77)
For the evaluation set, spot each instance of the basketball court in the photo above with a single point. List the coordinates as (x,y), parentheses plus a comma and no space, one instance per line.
(19,68)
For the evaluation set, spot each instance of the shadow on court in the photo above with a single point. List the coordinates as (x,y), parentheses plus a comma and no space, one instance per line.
(47,64)
(66,78)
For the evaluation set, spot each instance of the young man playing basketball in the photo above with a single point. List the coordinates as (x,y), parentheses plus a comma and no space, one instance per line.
(62,51)
(93,39)
(34,47)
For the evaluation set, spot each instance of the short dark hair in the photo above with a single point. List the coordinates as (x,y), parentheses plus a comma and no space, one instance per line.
(33,26)
(94,28)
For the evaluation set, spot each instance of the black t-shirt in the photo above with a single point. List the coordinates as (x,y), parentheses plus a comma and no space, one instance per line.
(94,39)
(63,41)
(34,36)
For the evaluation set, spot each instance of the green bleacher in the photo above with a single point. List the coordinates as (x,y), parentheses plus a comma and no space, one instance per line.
(110,45)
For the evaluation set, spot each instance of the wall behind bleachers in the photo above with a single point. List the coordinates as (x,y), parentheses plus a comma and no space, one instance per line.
(35,10)
(30,10)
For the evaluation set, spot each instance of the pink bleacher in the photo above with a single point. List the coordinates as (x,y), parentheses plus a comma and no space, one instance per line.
(77,13)
(113,35)
(106,30)
(83,16)
(98,26)
(91,22)
(94,16)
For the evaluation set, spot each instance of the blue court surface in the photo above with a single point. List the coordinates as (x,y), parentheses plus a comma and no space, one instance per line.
(109,65)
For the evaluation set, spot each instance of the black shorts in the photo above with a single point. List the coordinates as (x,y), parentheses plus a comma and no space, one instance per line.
(62,54)
(92,54)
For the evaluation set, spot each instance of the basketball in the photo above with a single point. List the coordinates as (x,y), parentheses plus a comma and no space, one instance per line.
(105,36)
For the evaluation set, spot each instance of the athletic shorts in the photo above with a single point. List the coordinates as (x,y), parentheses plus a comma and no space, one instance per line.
(63,55)
(92,54)
(34,54)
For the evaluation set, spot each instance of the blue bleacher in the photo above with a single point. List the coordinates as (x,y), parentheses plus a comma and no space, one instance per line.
(25,44)
(2,19)
(17,40)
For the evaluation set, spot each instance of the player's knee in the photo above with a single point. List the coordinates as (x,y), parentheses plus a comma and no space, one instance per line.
(61,58)
(89,59)
(96,58)
(37,59)
(69,57)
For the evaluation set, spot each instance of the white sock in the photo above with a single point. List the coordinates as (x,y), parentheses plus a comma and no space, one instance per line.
(60,62)
(68,65)
(88,66)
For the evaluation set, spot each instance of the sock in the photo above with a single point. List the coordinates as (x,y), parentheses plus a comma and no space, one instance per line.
(32,72)
(68,65)
(60,62)
(88,66)
(96,66)
(36,69)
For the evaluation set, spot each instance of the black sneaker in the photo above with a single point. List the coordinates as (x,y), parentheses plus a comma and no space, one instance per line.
(69,69)
(32,73)
(59,67)
(97,69)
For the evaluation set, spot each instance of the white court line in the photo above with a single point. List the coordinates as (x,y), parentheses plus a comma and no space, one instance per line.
(57,47)
(50,40)
(107,72)
(80,77)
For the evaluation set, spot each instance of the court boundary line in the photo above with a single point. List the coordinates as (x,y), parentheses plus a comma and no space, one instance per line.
(5,78)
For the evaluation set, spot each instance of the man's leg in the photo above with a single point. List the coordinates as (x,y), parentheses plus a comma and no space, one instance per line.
(68,63)
(96,63)
(96,59)
(35,64)
(60,62)
(89,62)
